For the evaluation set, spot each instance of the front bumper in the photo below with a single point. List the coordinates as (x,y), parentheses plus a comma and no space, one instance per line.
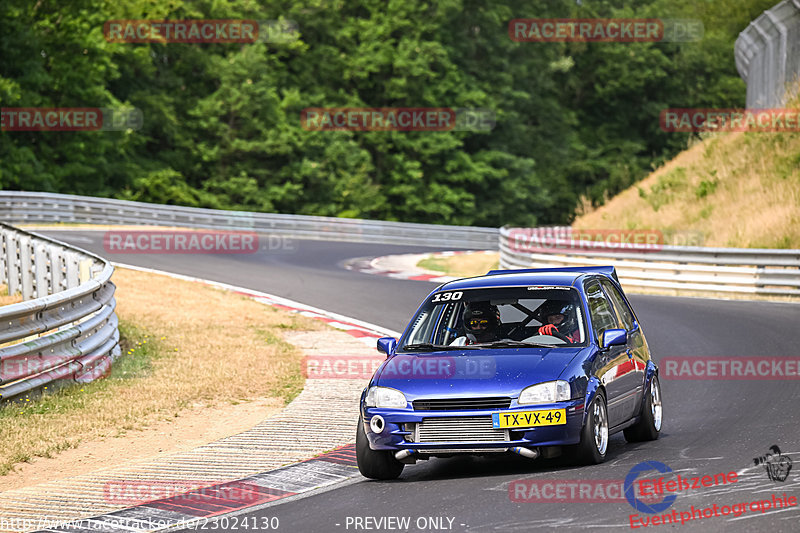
(401,430)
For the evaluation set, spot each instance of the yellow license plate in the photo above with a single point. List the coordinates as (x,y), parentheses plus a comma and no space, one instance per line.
(529,419)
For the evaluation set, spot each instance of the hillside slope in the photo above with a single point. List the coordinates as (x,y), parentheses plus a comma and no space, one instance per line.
(738,189)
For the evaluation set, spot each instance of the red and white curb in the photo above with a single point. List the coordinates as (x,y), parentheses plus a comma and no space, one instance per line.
(203,508)
(404,266)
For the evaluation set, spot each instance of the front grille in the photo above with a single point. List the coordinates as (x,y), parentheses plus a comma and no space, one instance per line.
(462,404)
(461,429)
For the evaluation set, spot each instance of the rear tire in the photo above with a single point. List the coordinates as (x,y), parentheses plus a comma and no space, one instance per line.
(594,435)
(374,464)
(649,425)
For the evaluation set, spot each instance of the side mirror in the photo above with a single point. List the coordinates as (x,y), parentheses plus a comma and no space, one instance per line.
(614,337)
(387,345)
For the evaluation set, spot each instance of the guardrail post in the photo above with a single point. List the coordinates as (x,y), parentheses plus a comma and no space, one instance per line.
(40,270)
(26,267)
(3,259)
(57,279)
(12,264)
(85,269)
(73,277)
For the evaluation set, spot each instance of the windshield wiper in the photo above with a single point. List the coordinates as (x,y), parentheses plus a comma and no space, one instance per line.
(430,346)
(517,344)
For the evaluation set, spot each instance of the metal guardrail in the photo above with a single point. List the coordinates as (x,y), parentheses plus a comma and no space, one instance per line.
(716,270)
(65,328)
(768,55)
(32,207)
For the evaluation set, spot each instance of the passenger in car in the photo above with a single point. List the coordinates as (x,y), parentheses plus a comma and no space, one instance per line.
(481,324)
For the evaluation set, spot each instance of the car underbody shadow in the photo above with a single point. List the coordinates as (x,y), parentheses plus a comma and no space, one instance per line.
(502,464)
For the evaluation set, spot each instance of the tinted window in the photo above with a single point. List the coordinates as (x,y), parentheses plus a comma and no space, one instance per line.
(601,313)
(623,312)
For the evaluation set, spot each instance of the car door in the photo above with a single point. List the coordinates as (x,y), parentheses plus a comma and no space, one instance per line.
(631,375)
(609,363)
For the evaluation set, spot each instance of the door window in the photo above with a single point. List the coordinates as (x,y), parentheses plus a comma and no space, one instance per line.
(622,309)
(600,310)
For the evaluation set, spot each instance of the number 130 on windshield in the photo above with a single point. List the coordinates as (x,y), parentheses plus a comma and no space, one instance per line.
(447,296)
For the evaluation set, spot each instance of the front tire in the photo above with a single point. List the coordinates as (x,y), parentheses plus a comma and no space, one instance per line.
(649,425)
(374,464)
(594,435)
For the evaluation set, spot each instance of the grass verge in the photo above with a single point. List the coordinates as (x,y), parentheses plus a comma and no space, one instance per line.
(738,189)
(462,265)
(185,346)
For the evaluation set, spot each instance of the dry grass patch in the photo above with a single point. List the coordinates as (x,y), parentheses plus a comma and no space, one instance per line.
(186,347)
(462,265)
(738,189)
(5,299)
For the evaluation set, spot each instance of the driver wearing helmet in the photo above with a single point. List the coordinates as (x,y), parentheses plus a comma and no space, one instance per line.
(481,323)
(559,317)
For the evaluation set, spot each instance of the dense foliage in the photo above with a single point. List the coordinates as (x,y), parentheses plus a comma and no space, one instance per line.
(222,121)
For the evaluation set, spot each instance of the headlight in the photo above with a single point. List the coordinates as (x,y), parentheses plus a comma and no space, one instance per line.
(552,391)
(385,397)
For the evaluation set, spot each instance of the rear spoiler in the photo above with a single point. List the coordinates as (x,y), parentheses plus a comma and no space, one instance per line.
(609,271)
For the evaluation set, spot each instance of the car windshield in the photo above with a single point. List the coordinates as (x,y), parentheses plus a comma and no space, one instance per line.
(502,317)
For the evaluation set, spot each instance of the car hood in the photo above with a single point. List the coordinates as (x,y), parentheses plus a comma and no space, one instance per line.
(501,372)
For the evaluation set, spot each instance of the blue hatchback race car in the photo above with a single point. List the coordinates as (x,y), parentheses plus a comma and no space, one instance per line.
(534,362)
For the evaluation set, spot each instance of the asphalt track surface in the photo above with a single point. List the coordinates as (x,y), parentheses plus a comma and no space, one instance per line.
(710,426)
